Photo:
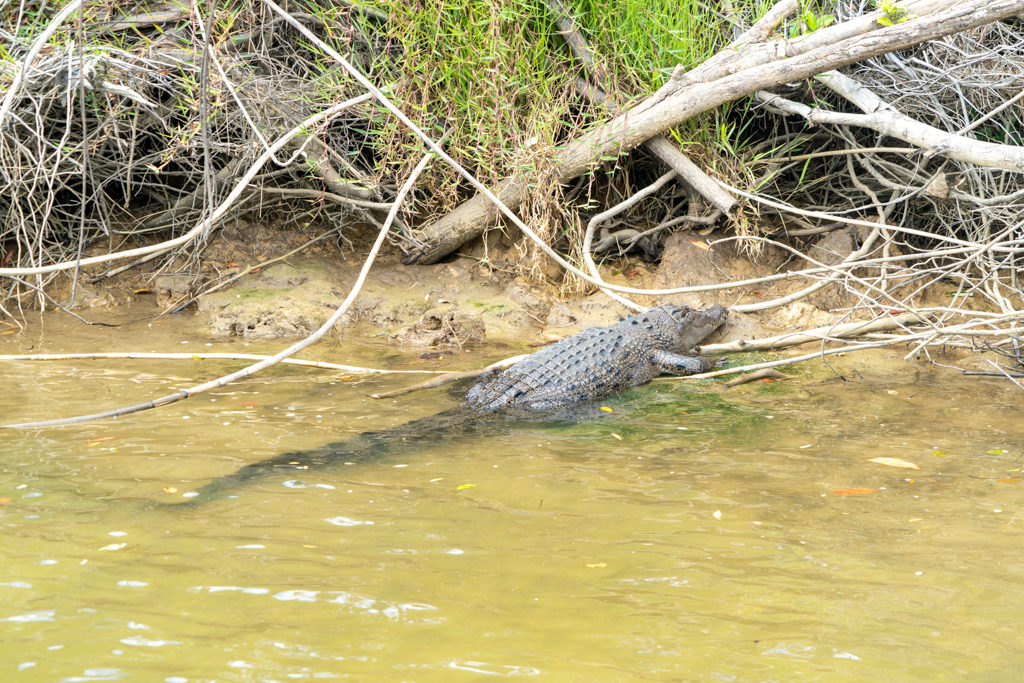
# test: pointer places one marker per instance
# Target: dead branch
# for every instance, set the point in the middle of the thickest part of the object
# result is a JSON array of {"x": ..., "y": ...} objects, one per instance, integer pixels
[
  {"x": 588, "y": 237},
  {"x": 141, "y": 355},
  {"x": 763, "y": 373},
  {"x": 843, "y": 331},
  {"x": 883, "y": 118},
  {"x": 787, "y": 361},
  {"x": 450, "y": 377},
  {"x": 206, "y": 224}
]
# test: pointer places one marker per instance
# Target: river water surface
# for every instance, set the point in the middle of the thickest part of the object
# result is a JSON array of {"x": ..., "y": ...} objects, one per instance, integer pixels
[{"x": 688, "y": 534}]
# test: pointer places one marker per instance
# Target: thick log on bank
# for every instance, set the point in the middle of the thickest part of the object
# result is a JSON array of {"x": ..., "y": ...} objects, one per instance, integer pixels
[{"x": 723, "y": 78}]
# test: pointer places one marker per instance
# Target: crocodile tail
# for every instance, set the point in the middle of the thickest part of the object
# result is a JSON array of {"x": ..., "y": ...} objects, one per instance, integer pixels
[{"x": 361, "y": 448}]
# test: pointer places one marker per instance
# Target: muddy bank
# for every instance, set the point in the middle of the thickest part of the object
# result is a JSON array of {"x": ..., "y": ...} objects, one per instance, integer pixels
[
  {"x": 471, "y": 299},
  {"x": 238, "y": 289}
]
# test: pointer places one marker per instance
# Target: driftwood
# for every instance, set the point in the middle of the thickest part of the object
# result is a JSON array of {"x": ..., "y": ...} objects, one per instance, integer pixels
[
  {"x": 450, "y": 377},
  {"x": 843, "y": 331},
  {"x": 763, "y": 373},
  {"x": 724, "y": 78},
  {"x": 146, "y": 355}
]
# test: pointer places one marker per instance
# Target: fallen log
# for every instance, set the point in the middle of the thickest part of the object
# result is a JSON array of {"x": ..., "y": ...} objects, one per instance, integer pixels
[
  {"x": 763, "y": 373},
  {"x": 719, "y": 81}
]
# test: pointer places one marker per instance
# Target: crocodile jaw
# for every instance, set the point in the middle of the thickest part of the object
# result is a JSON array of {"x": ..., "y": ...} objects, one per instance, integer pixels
[{"x": 692, "y": 326}]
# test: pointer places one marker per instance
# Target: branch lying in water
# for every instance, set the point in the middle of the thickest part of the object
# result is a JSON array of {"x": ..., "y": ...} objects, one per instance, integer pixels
[
  {"x": 794, "y": 359},
  {"x": 452, "y": 377},
  {"x": 934, "y": 335},
  {"x": 845, "y": 330},
  {"x": 135, "y": 355},
  {"x": 763, "y": 373}
]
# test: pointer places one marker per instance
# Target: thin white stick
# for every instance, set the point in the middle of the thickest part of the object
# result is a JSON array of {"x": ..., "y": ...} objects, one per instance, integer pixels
[
  {"x": 788, "y": 361},
  {"x": 144, "y": 355}
]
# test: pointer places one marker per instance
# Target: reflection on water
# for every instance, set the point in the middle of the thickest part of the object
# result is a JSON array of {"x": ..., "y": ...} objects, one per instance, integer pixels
[{"x": 690, "y": 534}]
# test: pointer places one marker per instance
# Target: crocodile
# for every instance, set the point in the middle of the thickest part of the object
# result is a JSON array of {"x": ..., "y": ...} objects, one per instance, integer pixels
[{"x": 579, "y": 369}]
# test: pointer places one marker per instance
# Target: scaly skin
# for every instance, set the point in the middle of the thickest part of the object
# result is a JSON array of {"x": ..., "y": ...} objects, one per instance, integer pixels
[
  {"x": 585, "y": 367},
  {"x": 601, "y": 361}
]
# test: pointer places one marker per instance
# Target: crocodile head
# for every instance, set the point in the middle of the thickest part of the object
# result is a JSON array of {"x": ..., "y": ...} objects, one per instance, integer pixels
[{"x": 681, "y": 328}]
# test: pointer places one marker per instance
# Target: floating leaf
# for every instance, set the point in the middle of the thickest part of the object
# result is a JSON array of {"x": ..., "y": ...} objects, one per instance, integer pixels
[
  {"x": 853, "y": 492},
  {"x": 596, "y": 565},
  {"x": 606, "y": 409},
  {"x": 464, "y": 486},
  {"x": 5, "y": 500},
  {"x": 617, "y": 436},
  {"x": 997, "y": 451},
  {"x": 1009, "y": 480},
  {"x": 100, "y": 440},
  {"x": 941, "y": 453},
  {"x": 170, "y": 489},
  {"x": 895, "y": 462},
  {"x": 114, "y": 546}
]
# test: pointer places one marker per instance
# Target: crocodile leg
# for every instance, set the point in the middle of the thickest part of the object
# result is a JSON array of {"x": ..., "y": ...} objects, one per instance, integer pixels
[{"x": 676, "y": 364}]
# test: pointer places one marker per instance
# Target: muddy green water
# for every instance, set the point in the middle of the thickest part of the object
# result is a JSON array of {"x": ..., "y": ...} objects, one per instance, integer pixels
[{"x": 690, "y": 534}]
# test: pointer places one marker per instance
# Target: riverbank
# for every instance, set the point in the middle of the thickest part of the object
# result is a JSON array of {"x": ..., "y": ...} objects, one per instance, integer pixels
[{"x": 242, "y": 286}]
